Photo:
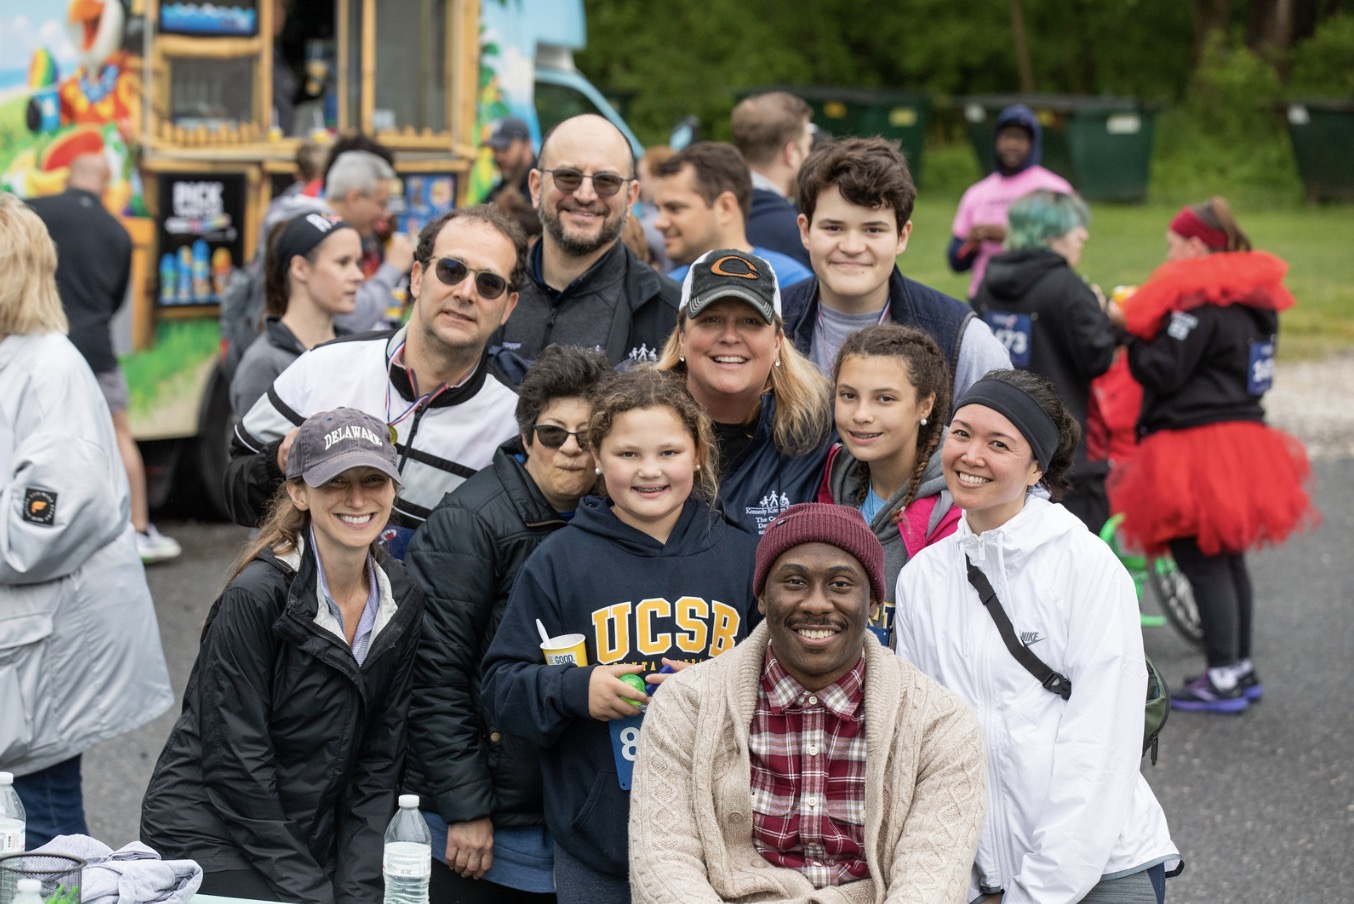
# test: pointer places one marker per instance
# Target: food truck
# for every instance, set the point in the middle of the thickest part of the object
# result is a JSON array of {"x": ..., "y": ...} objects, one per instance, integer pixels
[{"x": 183, "y": 100}]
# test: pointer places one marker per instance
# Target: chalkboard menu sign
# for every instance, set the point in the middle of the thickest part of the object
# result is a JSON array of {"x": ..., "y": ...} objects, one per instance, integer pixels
[
  {"x": 201, "y": 235},
  {"x": 214, "y": 19}
]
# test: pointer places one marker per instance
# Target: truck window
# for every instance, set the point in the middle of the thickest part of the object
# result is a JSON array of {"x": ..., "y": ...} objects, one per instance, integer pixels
[
  {"x": 411, "y": 77},
  {"x": 556, "y": 103}
]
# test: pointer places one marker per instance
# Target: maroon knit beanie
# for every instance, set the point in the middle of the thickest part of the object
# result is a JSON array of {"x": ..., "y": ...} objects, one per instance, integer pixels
[{"x": 817, "y": 522}]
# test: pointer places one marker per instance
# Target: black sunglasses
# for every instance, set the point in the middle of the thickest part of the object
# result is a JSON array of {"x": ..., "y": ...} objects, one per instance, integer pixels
[
  {"x": 451, "y": 271},
  {"x": 553, "y": 437},
  {"x": 568, "y": 180}
]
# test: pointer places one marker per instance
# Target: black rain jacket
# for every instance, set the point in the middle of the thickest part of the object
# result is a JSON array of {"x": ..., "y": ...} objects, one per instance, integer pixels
[{"x": 287, "y": 756}]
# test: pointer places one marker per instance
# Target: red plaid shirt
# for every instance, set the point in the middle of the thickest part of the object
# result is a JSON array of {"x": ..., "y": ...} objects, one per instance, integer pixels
[{"x": 808, "y": 775}]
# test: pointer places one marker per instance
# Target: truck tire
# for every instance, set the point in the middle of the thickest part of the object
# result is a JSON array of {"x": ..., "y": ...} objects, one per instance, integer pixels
[{"x": 210, "y": 451}]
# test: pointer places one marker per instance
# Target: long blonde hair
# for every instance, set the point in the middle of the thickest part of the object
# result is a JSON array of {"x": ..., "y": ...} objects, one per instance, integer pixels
[
  {"x": 803, "y": 396},
  {"x": 29, "y": 301}
]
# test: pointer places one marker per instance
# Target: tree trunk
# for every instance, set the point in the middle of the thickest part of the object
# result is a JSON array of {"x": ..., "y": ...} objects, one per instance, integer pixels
[
  {"x": 1022, "y": 48},
  {"x": 1209, "y": 16}
]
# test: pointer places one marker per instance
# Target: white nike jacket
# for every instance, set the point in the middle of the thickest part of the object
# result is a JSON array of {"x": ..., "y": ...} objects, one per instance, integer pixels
[{"x": 1067, "y": 805}]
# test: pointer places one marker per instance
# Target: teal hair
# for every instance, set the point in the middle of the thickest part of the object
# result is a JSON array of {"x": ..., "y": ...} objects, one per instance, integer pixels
[{"x": 1043, "y": 215}]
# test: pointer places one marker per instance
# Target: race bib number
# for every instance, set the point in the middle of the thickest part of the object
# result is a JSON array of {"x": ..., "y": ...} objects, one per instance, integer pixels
[
  {"x": 1260, "y": 373},
  {"x": 1013, "y": 330},
  {"x": 625, "y": 745}
]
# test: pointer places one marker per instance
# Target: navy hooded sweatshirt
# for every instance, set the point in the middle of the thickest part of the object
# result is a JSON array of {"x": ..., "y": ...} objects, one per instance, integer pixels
[{"x": 636, "y": 601}]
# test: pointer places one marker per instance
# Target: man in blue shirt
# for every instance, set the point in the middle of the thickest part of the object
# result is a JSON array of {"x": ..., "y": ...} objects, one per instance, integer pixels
[{"x": 704, "y": 195}]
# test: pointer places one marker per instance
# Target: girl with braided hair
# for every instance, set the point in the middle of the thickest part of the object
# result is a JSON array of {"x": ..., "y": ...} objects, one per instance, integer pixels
[{"x": 892, "y": 392}]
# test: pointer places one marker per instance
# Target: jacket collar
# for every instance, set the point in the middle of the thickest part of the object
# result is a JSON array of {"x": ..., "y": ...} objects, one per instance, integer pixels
[
  {"x": 522, "y": 491},
  {"x": 642, "y": 282},
  {"x": 399, "y": 376}
]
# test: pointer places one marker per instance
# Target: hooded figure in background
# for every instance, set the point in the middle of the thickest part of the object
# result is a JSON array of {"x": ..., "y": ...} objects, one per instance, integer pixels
[{"x": 980, "y": 222}]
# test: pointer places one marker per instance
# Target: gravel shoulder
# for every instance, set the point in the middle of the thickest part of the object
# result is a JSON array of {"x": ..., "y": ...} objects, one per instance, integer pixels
[{"x": 1314, "y": 401}]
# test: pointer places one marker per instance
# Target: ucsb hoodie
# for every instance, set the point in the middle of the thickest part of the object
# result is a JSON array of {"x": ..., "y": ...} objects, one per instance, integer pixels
[{"x": 635, "y": 600}]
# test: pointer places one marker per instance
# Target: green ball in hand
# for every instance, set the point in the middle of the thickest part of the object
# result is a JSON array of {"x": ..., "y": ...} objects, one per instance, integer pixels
[{"x": 637, "y": 683}]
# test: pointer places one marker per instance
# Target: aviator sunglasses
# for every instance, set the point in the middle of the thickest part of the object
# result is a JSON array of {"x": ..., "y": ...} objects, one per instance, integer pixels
[
  {"x": 568, "y": 180},
  {"x": 451, "y": 271},
  {"x": 553, "y": 437}
]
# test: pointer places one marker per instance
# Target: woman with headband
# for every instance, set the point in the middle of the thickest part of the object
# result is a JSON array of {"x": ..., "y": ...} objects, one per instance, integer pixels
[
  {"x": 1209, "y": 480},
  {"x": 1069, "y": 816},
  {"x": 311, "y": 274}
]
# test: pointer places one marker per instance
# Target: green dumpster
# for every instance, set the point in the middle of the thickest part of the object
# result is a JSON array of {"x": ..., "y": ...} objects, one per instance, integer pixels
[
  {"x": 899, "y": 115},
  {"x": 1102, "y": 145},
  {"x": 1322, "y": 132}
]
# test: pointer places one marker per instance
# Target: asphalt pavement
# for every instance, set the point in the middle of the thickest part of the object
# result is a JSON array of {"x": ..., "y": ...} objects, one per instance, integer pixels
[{"x": 1261, "y": 805}]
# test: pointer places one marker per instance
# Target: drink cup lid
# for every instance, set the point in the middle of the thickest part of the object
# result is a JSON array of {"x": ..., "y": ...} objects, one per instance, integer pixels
[
  {"x": 6, "y": 778},
  {"x": 409, "y": 801}
]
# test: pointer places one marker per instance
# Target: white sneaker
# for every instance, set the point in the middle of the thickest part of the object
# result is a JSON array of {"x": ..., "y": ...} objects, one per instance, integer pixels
[{"x": 155, "y": 546}]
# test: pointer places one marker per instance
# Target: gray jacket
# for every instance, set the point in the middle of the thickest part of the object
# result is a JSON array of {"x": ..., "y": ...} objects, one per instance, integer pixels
[{"x": 80, "y": 656}]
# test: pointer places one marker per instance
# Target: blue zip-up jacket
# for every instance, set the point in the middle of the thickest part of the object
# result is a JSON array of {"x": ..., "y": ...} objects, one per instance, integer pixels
[
  {"x": 636, "y": 601},
  {"x": 763, "y": 481}
]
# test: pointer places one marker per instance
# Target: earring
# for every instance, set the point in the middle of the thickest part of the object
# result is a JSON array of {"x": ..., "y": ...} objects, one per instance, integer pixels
[
  {"x": 698, "y": 467},
  {"x": 923, "y": 422},
  {"x": 778, "y": 362},
  {"x": 681, "y": 359},
  {"x": 597, "y": 471}
]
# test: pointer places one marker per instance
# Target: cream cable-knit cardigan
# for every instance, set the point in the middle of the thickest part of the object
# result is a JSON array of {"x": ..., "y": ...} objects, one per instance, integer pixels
[{"x": 691, "y": 812}]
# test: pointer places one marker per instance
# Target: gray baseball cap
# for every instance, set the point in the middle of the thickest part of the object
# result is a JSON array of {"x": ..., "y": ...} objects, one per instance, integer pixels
[
  {"x": 729, "y": 273},
  {"x": 331, "y": 442},
  {"x": 506, "y": 131}
]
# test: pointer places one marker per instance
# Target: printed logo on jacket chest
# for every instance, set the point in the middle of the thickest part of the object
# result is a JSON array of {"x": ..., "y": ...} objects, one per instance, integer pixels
[
  {"x": 657, "y": 627},
  {"x": 765, "y": 511}
]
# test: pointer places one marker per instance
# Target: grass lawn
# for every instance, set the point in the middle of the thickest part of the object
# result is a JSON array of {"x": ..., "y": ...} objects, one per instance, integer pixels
[{"x": 1128, "y": 242}]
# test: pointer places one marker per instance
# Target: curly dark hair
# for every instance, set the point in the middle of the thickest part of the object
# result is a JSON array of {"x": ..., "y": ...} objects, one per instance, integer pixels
[
  {"x": 648, "y": 387},
  {"x": 868, "y": 172},
  {"x": 559, "y": 372},
  {"x": 927, "y": 371},
  {"x": 490, "y": 215},
  {"x": 1057, "y": 477}
]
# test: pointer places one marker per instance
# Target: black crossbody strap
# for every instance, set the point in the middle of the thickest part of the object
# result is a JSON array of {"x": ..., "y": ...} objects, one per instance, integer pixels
[{"x": 1054, "y": 682}]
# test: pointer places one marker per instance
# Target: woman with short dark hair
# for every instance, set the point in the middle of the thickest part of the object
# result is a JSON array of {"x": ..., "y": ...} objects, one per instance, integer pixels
[{"x": 480, "y": 788}]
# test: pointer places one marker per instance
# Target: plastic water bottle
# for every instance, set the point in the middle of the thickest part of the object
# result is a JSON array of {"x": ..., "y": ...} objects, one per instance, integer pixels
[
  {"x": 29, "y": 892},
  {"x": 13, "y": 820},
  {"x": 408, "y": 858}
]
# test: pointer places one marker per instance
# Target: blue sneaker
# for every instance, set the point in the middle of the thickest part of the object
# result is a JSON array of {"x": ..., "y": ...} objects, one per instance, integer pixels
[
  {"x": 1201, "y": 695},
  {"x": 1250, "y": 685}
]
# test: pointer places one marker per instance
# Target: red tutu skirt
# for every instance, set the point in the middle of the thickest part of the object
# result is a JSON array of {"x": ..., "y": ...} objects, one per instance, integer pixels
[{"x": 1233, "y": 486}]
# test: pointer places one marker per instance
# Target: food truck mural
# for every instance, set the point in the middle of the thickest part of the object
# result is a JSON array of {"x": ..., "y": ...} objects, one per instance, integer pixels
[{"x": 179, "y": 96}]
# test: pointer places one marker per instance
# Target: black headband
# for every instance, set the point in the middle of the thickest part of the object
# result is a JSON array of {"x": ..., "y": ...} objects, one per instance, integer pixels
[
  {"x": 302, "y": 234},
  {"x": 1020, "y": 409}
]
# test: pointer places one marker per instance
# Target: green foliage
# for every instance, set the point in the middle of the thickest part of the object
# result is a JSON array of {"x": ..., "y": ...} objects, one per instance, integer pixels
[
  {"x": 1128, "y": 243},
  {"x": 1323, "y": 65},
  {"x": 1226, "y": 136}
]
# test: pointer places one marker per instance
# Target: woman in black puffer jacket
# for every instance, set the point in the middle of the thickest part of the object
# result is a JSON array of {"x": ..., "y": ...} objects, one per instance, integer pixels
[{"x": 480, "y": 789}]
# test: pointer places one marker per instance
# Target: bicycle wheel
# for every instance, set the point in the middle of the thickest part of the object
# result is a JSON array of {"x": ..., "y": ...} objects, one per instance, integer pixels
[{"x": 1176, "y": 599}]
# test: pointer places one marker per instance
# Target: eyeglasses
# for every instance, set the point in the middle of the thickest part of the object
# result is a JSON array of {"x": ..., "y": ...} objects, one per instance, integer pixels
[
  {"x": 569, "y": 180},
  {"x": 553, "y": 437},
  {"x": 451, "y": 271}
]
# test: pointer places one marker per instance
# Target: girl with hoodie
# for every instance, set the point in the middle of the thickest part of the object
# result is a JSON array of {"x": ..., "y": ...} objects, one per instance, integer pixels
[
  {"x": 892, "y": 389},
  {"x": 651, "y": 576},
  {"x": 1209, "y": 480}
]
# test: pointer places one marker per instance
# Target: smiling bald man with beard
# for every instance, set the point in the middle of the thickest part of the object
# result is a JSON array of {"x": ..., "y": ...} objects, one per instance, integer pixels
[{"x": 584, "y": 286}]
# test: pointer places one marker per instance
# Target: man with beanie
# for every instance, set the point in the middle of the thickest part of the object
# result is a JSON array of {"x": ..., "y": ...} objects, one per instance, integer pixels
[
  {"x": 980, "y": 223},
  {"x": 809, "y": 756}
]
